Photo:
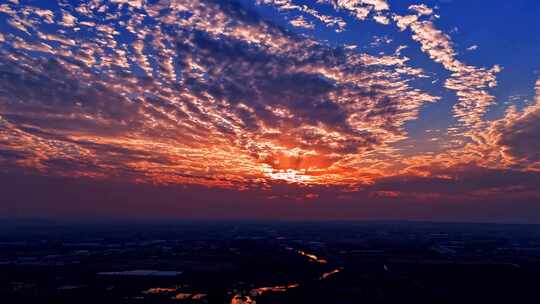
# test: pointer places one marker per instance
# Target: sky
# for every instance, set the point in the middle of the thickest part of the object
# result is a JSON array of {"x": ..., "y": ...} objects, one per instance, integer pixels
[{"x": 271, "y": 109}]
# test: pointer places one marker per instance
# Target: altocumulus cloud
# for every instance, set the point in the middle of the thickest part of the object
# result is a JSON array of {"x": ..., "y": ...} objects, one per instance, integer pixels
[
  {"x": 196, "y": 83},
  {"x": 205, "y": 93}
]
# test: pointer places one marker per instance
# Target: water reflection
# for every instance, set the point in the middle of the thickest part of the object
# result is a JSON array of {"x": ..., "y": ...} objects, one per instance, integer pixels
[
  {"x": 239, "y": 299},
  {"x": 312, "y": 257},
  {"x": 330, "y": 273}
]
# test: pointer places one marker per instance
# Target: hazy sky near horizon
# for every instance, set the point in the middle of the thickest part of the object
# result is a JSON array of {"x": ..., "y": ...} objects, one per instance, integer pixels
[{"x": 297, "y": 109}]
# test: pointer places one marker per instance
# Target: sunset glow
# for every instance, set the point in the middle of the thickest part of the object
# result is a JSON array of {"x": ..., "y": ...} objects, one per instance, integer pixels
[{"x": 292, "y": 100}]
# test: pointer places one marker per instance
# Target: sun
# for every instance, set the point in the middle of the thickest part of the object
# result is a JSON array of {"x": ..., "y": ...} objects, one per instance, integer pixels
[{"x": 288, "y": 175}]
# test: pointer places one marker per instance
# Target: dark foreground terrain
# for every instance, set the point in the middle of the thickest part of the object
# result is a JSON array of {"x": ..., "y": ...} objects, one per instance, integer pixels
[{"x": 265, "y": 262}]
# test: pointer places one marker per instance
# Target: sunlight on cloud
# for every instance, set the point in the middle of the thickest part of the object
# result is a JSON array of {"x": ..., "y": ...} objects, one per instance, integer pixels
[{"x": 211, "y": 93}]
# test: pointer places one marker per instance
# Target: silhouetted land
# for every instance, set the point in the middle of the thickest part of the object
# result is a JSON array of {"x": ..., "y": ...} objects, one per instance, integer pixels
[{"x": 267, "y": 262}]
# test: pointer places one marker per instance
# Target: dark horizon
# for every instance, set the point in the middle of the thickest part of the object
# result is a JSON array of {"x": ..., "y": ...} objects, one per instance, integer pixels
[{"x": 268, "y": 262}]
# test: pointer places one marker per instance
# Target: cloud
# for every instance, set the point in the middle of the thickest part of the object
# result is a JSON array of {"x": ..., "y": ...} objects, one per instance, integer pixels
[
  {"x": 470, "y": 83},
  {"x": 287, "y": 5},
  {"x": 519, "y": 134},
  {"x": 301, "y": 22},
  {"x": 381, "y": 19},
  {"x": 461, "y": 181},
  {"x": 206, "y": 93},
  {"x": 521, "y": 137},
  {"x": 421, "y": 9},
  {"x": 360, "y": 9},
  {"x": 53, "y": 196}
]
